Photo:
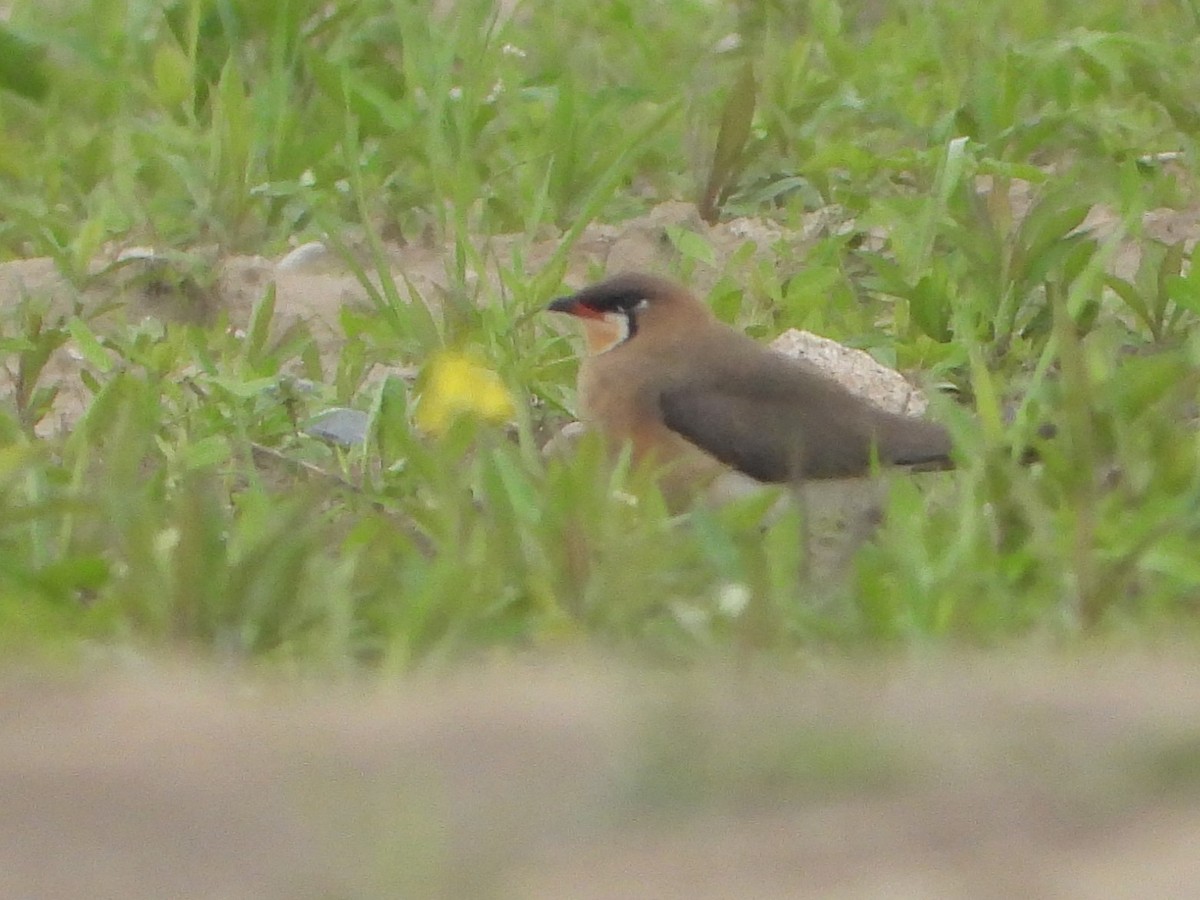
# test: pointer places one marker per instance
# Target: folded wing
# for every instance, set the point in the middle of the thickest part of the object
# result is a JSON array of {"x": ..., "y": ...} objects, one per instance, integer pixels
[{"x": 785, "y": 422}]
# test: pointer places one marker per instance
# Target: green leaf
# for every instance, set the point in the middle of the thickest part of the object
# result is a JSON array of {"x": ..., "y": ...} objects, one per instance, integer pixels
[
  {"x": 210, "y": 451},
  {"x": 1184, "y": 290},
  {"x": 260, "y": 324},
  {"x": 1170, "y": 268},
  {"x": 951, "y": 168},
  {"x": 526, "y": 501},
  {"x": 89, "y": 345},
  {"x": 244, "y": 388},
  {"x": 1131, "y": 298},
  {"x": 173, "y": 76},
  {"x": 23, "y": 65},
  {"x": 930, "y": 306},
  {"x": 1043, "y": 237},
  {"x": 691, "y": 245},
  {"x": 736, "y": 122},
  {"x": 80, "y": 573}
]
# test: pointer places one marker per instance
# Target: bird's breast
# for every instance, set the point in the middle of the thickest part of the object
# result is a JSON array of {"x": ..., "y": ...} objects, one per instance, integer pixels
[
  {"x": 619, "y": 397},
  {"x": 612, "y": 394}
]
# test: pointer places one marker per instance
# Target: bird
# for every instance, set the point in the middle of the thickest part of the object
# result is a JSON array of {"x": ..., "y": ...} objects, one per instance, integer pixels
[{"x": 663, "y": 375}]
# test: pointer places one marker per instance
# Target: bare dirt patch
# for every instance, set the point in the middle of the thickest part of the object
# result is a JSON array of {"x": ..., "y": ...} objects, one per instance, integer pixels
[{"x": 973, "y": 776}]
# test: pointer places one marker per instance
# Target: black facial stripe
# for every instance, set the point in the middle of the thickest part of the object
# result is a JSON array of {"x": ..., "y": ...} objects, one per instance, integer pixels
[
  {"x": 631, "y": 318},
  {"x": 624, "y": 292},
  {"x": 612, "y": 301}
]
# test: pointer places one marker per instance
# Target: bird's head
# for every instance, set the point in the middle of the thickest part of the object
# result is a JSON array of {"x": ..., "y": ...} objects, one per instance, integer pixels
[{"x": 617, "y": 309}]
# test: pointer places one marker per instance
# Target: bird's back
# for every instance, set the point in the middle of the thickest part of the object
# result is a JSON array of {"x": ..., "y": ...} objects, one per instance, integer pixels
[{"x": 780, "y": 419}]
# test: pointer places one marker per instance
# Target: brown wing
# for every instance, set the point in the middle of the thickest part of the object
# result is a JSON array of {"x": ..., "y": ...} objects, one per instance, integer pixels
[
  {"x": 781, "y": 421},
  {"x": 722, "y": 424}
]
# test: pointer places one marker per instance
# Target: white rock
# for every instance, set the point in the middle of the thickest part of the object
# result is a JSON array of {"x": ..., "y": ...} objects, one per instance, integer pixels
[
  {"x": 855, "y": 369},
  {"x": 313, "y": 255}
]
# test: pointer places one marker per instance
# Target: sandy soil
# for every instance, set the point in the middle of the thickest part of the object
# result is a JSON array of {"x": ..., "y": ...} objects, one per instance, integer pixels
[{"x": 972, "y": 777}]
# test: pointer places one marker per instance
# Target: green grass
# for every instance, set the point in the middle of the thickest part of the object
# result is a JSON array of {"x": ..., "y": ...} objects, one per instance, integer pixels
[{"x": 185, "y": 508}]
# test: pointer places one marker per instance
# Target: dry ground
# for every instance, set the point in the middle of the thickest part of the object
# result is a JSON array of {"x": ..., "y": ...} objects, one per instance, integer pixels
[{"x": 972, "y": 776}]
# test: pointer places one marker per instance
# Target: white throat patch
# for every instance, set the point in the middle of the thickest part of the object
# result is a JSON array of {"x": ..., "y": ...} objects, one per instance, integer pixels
[
  {"x": 606, "y": 333},
  {"x": 612, "y": 329}
]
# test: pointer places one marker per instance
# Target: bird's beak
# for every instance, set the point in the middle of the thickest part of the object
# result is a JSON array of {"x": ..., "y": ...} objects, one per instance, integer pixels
[{"x": 573, "y": 307}]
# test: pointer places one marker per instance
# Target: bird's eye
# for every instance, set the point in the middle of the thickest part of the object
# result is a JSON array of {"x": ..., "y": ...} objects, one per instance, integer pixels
[{"x": 641, "y": 304}]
